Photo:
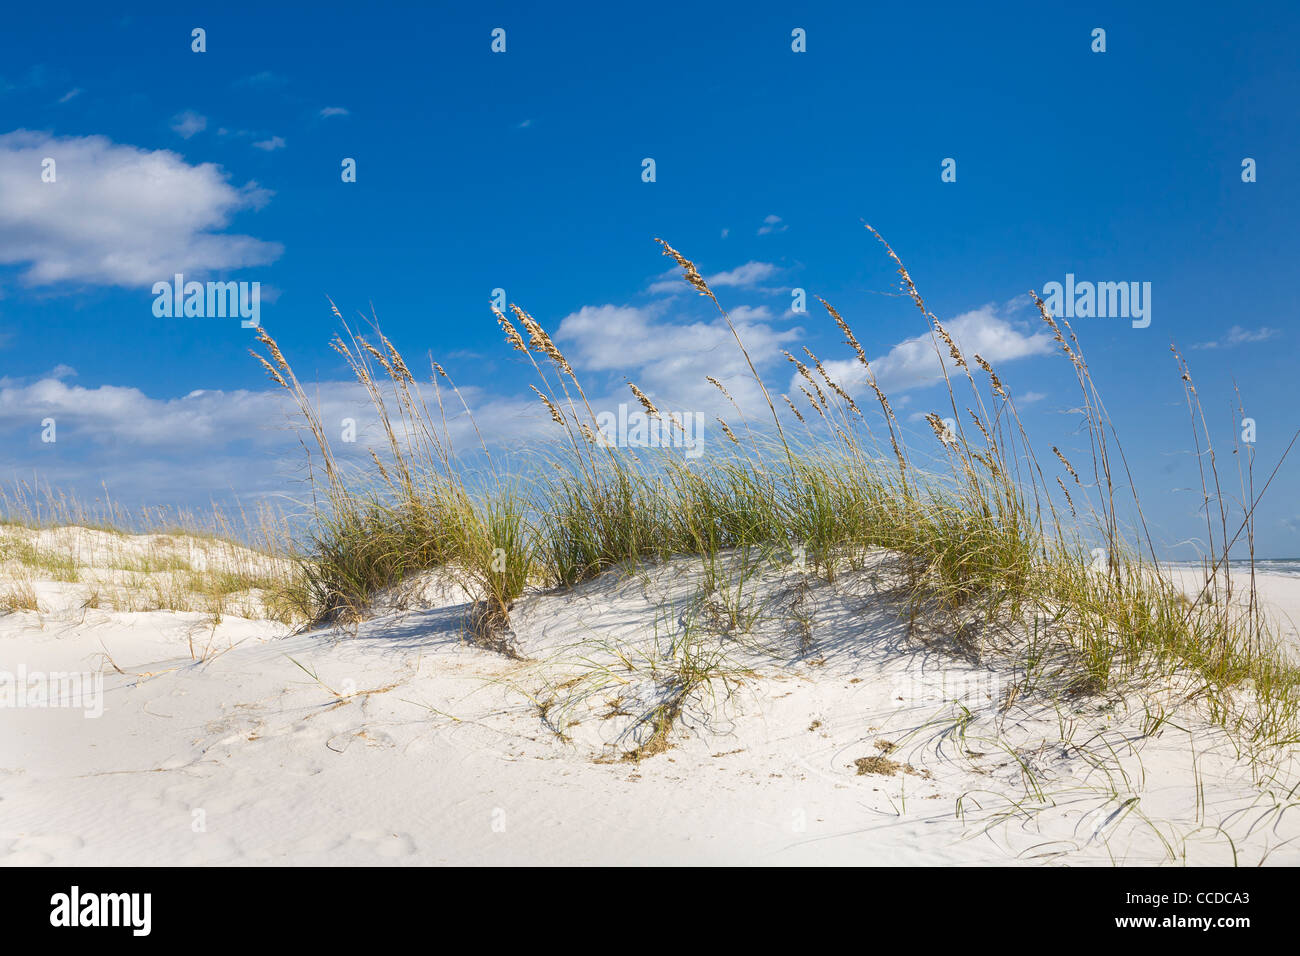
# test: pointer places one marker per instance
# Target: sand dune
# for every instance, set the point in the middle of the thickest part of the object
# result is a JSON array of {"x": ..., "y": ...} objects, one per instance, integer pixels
[{"x": 782, "y": 721}]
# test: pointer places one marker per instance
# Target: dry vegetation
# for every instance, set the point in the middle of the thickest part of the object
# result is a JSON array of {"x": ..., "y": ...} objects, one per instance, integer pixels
[
  {"x": 993, "y": 546},
  {"x": 104, "y": 557},
  {"x": 992, "y": 540}
]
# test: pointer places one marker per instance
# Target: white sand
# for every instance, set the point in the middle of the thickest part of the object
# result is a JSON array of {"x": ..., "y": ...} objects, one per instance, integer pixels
[
  {"x": 413, "y": 747},
  {"x": 1278, "y": 593}
]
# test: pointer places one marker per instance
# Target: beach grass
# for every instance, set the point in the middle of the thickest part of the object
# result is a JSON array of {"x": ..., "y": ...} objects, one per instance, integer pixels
[
  {"x": 149, "y": 560},
  {"x": 987, "y": 534}
]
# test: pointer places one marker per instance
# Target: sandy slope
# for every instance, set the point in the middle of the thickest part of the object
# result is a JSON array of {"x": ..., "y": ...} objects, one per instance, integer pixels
[{"x": 410, "y": 746}]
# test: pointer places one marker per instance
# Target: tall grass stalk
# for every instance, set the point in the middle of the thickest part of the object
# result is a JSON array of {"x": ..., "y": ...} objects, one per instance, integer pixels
[{"x": 991, "y": 535}]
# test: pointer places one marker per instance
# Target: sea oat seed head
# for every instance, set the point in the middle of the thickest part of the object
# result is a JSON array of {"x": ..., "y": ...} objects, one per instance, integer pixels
[{"x": 641, "y": 397}]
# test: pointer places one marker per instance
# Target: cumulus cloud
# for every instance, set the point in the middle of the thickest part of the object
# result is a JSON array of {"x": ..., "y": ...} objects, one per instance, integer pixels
[
  {"x": 742, "y": 277},
  {"x": 207, "y": 443},
  {"x": 118, "y": 414},
  {"x": 913, "y": 364},
  {"x": 742, "y": 314},
  {"x": 188, "y": 124},
  {"x": 210, "y": 442},
  {"x": 212, "y": 419},
  {"x": 270, "y": 145},
  {"x": 671, "y": 359},
  {"x": 772, "y": 224},
  {"x": 194, "y": 442},
  {"x": 117, "y": 214}
]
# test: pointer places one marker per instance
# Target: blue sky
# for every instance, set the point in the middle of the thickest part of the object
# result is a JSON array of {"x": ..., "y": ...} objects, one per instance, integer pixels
[{"x": 523, "y": 170}]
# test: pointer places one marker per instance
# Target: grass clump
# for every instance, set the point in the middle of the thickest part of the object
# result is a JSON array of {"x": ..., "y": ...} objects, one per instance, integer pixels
[{"x": 987, "y": 535}]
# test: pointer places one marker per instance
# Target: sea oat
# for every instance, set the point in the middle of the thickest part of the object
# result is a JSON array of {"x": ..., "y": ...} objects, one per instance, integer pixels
[
  {"x": 271, "y": 347},
  {"x": 812, "y": 401},
  {"x": 1056, "y": 329},
  {"x": 849, "y": 338},
  {"x": 641, "y": 397},
  {"x": 881, "y": 397},
  {"x": 556, "y": 416},
  {"x": 270, "y": 369},
  {"x": 690, "y": 273},
  {"x": 1068, "y": 499},
  {"x": 380, "y": 465},
  {"x": 378, "y": 356},
  {"x": 539, "y": 340},
  {"x": 980, "y": 425},
  {"x": 832, "y": 383},
  {"x": 793, "y": 409},
  {"x": 513, "y": 337},
  {"x": 1068, "y": 467},
  {"x": 803, "y": 371},
  {"x": 993, "y": 376},
  {"x": 908, "y": 284},
  {"x": 398, "y": 365},
  {"x": 940, "y": 430},
  {"x": 952, "y": 346}
]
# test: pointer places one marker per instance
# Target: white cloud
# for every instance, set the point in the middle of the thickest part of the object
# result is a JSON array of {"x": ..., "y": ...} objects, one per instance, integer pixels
[
  {"x": 1239, "y": 336},
  {"x": 119, "y": 215},
  {"x": 743, "y": 314},
  {"x": 213, "y": 442},
  {"x": 772, "y": 224},
  {"x": 70, "y": 95},
  {"x": 668, "y": 283},
  {"x": 208, "y": 442},
  {"x": 188, "y": 124},
  {"x": 671, "y": 359},
  {"x": 270, "y": 145},
  {"x": 111, "y": 413},
  {"x": 913, "y": 362},
  {"x": 741, "y": 277},
  {"x": 329, "y": 111}
]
